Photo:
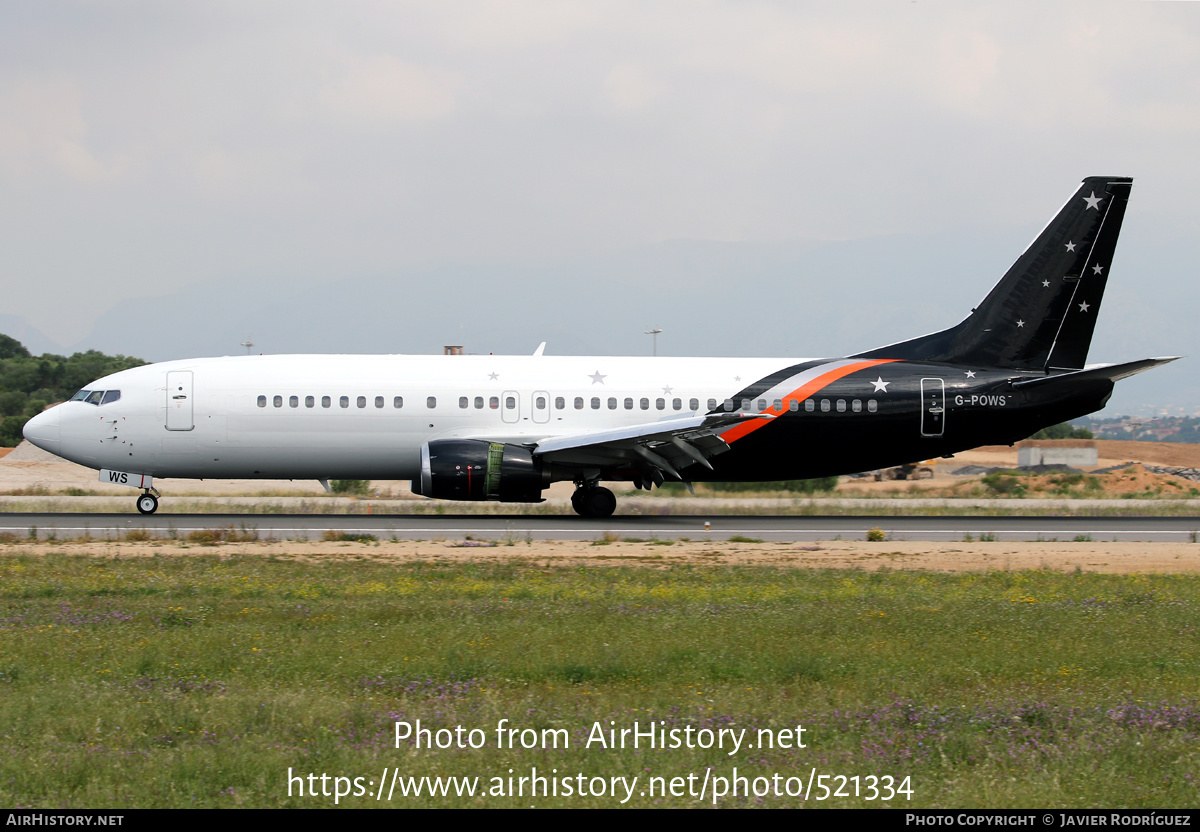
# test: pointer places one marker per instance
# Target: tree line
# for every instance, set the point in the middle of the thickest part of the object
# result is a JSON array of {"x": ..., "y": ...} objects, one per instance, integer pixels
[{"x": 29, "y": 383}]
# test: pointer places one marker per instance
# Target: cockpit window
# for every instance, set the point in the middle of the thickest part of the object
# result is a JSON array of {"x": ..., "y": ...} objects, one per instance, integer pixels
[{"x": 97, "y": 397}]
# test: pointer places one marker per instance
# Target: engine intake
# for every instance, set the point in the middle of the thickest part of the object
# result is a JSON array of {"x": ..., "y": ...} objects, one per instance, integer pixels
[{"x": 473, "y": 469}]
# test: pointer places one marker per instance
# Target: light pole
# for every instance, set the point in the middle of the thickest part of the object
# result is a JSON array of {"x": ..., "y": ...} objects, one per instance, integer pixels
[{"x": 653, "y": 332}]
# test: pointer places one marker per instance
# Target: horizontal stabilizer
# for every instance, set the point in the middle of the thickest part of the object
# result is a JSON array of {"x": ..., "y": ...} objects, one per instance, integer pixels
[{"x": 1111, "y": 372}]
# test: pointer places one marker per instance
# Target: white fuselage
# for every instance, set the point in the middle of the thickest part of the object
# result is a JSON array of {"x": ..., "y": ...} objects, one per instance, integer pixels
[{"x": 366, "y": 417}]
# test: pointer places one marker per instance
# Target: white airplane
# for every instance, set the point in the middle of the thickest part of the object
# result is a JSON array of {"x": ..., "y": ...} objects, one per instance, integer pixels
[{"x": 506, "y": 427}]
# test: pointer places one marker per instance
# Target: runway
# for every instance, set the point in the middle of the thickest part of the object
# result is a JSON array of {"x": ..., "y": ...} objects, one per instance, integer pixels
[{"x": 533, "y": 527}]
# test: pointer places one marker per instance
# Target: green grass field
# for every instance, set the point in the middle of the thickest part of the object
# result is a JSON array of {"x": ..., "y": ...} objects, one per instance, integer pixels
[{"x": 200, "y": 681}]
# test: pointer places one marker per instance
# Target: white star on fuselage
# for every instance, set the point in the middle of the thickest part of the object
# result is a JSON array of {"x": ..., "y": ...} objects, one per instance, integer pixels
[
  {"x": 1020, "y": 324},
  {"x": 1046, "y": 283},
  {"x": 1070, "y": 245},
  {"x": 1093, "y": 201},
  {"x": 970, "y": 374},
  {"x": 880, "y": 385},
  {"x": 1096, "y": 269},
  {"x": 667, "y": 390},
  {"x": 493, "y": 376},
  {"x": 1083, "y": 307},
  {"x": 597, "y": 378}
]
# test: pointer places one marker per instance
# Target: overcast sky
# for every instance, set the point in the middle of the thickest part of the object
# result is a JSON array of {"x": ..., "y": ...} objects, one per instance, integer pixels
[{"x": 148, "y": 147}]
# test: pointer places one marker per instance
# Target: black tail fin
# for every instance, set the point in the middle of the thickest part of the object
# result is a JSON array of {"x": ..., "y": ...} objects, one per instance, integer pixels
[{"x": 1041, "y": 314}]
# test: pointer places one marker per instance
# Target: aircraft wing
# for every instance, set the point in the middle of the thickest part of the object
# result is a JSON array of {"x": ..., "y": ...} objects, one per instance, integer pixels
[{"x": 667, "y": 446}]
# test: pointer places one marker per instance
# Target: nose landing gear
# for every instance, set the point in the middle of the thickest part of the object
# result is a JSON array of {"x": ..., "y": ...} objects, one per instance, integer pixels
[
  {"x": 147, "y": 503},
  {"x": 593, "y": 501}
]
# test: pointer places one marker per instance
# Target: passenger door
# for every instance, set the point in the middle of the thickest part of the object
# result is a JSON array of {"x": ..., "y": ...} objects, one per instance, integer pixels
[
  {"x": 933, "y": 407},
  {"x": 179, "y": 400}
]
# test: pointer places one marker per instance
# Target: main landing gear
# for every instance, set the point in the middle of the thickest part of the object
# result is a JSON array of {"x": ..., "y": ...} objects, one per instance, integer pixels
[
  {"x": 593, "y": 501},
  {"x": 147, "y": 503}
]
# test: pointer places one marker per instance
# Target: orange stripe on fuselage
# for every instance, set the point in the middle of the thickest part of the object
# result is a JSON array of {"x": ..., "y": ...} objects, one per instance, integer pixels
[{"x": 800, "y": 394}]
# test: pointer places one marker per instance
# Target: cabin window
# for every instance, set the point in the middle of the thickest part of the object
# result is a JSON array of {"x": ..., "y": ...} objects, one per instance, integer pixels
[
  {"x": 794, "y": 405},
  {"x": 612, "y": 403},
  {"x": 595, "y": 402},
  {"x": 398, "y": 402},
  {"x": 344, "y": 401},
  {"x": 362, "y": 401},
  {"x": 277, "y": 401},
  {"x": 326, "y": 401},
  {"x": 809, "y": 406},
  {"x": 841, "y": 405},
  {"x": 762, "y": 405},
  {"x": 660, "y": 404},
  {"x": 510, "y": 402},
  {"x": 579, "y": 403},
  {"x": 872, "y": 405},
  {"x": 479, "y": 402},
  {"x": 677, "y": 404},
  {"x": 494, "y": 402},
  {"x": 379, "y": 401},
  {"x": 309, "y": 401},
  {"x": 856, "y": 405},
  {"x": 746, "y": 404},
  {"x": 463, "y": 402},
  {"x": 560, "y": 403},
  {"x": 779, "y": 405},
  {"x": 262, "y": 401},
  {"x": 431, "y": 402},
  {"x": 539, "y": 402},
  {"x": 645, "y": 404},
  {"x": 824, "y": 405},
  {"x": 694, "y": 404},
  {"x": 729, "y": 405},
  {"x": 293, "y": 401},
  {"x": 111, "y": 396},
  {"x": 628, "y": 404},
  {"x": 712, "y": 405}
]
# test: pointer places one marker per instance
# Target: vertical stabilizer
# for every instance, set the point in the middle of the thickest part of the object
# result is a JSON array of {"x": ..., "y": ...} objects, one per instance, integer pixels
[{"x": 1042, "y": 313}]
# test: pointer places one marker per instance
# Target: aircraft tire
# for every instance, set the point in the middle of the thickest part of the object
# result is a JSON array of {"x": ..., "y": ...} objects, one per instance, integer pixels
[
  {"x": 147, "y": 504},
  {"x": 596, "y": 503}
]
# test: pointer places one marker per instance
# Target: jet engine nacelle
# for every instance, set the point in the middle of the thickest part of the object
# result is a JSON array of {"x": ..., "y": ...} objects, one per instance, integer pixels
[{"x": 473, "y": 469}]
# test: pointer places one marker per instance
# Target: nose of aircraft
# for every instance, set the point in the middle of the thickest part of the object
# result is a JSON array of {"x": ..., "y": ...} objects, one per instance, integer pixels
[{"x": 43, "y": 430}]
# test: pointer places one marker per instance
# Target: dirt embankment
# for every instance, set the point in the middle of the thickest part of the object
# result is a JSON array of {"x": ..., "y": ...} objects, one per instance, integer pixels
[{"x": 975, "y": 556}]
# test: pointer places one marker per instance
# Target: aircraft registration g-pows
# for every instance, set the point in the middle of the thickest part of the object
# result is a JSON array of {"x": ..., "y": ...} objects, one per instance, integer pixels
[{"x": 505, "y": 428}]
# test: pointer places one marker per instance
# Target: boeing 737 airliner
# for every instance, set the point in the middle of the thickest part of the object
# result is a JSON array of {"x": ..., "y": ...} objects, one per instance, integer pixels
[{"x": 504, "y": 428}]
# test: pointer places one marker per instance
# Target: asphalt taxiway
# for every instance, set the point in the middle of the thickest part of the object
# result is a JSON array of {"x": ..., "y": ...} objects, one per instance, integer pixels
[{"x": 562, "y": 527}]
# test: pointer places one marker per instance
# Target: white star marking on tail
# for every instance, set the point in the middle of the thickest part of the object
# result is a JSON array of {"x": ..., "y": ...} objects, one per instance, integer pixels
[
  {"x": 1070, "y": 245},
  {"x": 1096, "y": 269},
  {"x": 1083, "y": 307},
  {"x": 1046, "y": 283},
  {"x": 1020, "y": 324},
  {"x": 1093, "y": 201}
]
